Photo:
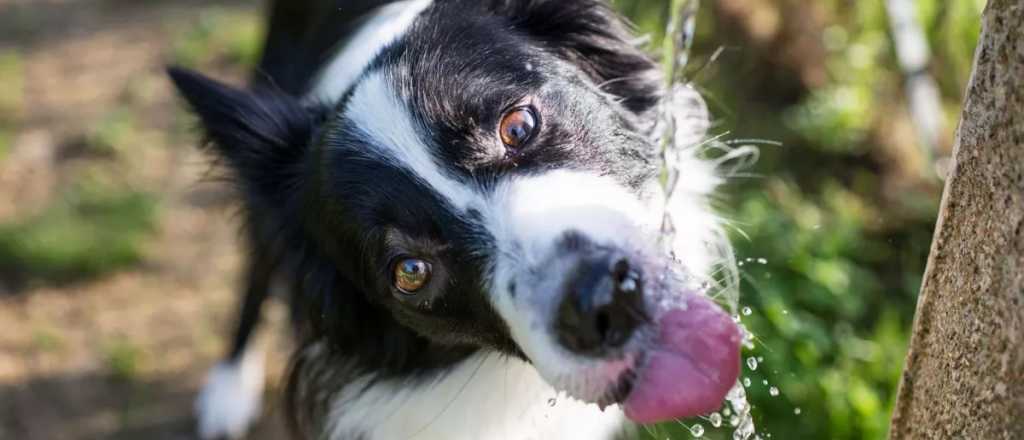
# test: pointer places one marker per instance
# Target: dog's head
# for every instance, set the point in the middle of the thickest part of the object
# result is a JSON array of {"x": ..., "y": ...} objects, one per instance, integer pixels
[{"x": 490, "y": 180}]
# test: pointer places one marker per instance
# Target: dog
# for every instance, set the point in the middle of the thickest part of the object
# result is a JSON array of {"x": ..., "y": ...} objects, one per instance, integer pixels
[{"x": 462, "y": 199}]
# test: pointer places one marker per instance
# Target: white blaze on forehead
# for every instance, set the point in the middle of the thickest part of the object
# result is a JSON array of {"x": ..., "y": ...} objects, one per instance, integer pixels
[
  {"x": 391, "y": 134},
  {"x": 535, "y": 211},
  {"x": 385, "y": 26}
]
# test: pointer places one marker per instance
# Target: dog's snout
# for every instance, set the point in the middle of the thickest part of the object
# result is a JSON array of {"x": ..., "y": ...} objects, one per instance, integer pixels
[{"x": 602, "y": 304}]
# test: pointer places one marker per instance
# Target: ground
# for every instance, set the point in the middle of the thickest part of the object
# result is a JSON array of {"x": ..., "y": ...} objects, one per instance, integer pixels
[{"x": 84, "y": 103}]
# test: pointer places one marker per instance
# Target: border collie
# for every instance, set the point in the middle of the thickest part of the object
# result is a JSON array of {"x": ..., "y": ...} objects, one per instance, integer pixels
[{"x": 462, "y": 198}]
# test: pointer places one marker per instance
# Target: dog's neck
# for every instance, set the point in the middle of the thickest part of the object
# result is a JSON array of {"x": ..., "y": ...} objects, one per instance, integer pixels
[{"x": 486, "y": 396}]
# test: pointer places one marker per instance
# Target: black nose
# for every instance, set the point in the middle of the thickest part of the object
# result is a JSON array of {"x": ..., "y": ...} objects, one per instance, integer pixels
[{"x": 602, "y": 306}]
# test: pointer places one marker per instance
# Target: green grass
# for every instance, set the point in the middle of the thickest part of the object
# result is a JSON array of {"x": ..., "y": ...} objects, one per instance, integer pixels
[
  {"x": 123, "y": 360},
  {"x": 115, "y": 130},
  {"x": 12, "y": 86},
  {"x": 48, "y": 340},
  {"x": 88, "y": 232},
  {"x": 220, "y": 35},
  {"x": 5, "y": 142}
]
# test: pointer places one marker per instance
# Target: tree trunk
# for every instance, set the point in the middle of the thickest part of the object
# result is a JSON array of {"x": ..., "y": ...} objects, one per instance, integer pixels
[{"x": 964, "y": 376}]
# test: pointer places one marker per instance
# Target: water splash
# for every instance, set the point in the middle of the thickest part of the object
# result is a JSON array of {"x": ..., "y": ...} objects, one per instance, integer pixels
[
  {"x": 742, "y": 420},
  {"x": 674, "y": 132}
]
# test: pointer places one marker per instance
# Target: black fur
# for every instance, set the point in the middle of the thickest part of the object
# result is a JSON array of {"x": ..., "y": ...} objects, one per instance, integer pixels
[{"x": 330, "y": 220}]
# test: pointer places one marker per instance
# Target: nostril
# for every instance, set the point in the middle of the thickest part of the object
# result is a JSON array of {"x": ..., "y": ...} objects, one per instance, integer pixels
[
  {"x": 603, "y": 305},
  {"x": 603, "y": 324},
  {"x": 621, "y": 269}
]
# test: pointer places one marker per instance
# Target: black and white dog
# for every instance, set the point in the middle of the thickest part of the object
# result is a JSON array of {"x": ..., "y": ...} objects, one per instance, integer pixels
[{"x": 463, "y": 199}]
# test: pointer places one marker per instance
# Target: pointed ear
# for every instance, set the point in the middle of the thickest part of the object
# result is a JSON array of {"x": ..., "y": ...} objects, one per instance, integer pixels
[
  {"x": 262, "y": 135},
  {"x": 591, "y": 35}
]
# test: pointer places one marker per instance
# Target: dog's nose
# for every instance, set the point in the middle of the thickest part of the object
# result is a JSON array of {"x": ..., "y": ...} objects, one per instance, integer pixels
[{"x": 602, "y": 305}]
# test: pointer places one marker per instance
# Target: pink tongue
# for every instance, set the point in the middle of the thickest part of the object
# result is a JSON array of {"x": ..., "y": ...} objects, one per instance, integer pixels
[{"x": 695, "y": 365}]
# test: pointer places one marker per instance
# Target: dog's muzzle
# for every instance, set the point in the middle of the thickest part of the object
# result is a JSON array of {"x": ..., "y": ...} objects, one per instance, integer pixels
[{"x": 618, "y": 304}]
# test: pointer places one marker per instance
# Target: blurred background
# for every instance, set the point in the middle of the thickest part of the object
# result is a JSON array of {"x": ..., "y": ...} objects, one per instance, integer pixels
[{"x": 118, "y": 255}]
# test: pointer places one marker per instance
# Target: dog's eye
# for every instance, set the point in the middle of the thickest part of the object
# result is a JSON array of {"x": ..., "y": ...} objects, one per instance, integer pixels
[
  {"x": 411, "y": 274},
  {"x": 517, "y": 126}
]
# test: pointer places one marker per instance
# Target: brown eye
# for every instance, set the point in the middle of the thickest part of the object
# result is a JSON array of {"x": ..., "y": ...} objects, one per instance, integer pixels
[
  {"x": 411, "y": 274},
  {"x": 517, "y": 127}
]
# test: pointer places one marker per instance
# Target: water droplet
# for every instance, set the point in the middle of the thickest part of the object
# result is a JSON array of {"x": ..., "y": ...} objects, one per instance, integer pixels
[
  {"x": 746, "y": 382},
  {"x": 752, "y": 363},
  {"x": 726, "y": 412},
  {"x": 746, "y": 311},
  {"x": 773, "y": 391},
  {"x": 628, "y": 285},
  {"x": 744, "y": 430},
  {"x": 796, "y": 410},
  {"x": 785, "y": 312},
  {"x": 762, "y": 261},
  {"x": 760, "y": 359},
  {"x": 552, "y": 401},
  {"x": 734, "y": 421},
  {"x": 697, "y": 430},
  {"x": 739, "y": 263},
  {"x": 764, "y": 382},
  {"x": 715, "y": 419}
]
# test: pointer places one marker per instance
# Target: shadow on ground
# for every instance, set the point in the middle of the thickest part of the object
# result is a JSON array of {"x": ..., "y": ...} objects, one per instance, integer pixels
[{"x": 104, "y": 407}]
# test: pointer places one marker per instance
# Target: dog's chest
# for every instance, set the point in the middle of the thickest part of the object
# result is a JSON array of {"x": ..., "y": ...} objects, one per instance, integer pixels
[{"x": 485, "y": 397}]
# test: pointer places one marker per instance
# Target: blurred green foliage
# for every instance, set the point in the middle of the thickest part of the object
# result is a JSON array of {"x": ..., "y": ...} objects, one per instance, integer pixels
[
  {"x": 835, "y": 231},
  {"x": 90, "y": 230},
  {"x": 114, "y": 130},
  {"x": 123, "y": 360},
  {"x": 95, "y": 226},
  {"x": 220, "y": 36},
  {"x": 12, "y": 85}
]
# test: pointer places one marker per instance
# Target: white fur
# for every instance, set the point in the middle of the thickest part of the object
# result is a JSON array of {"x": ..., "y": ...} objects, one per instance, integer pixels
[
  {"x": 700, "y": 243},
  {"x": 230, "y": 399},
  {"x": 487, "y": 396},
  {"x": 537, "y": 210},
  {"x": 386, "y": 25},
  {"x": 377, "y": 110}
]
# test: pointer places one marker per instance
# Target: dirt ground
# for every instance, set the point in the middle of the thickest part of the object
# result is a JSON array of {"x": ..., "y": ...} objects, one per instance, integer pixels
[{"x": 120, "y": 356}]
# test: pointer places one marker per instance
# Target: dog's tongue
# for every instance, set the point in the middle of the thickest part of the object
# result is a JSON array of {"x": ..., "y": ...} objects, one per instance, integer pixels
[{"x": 696, "y": 363}]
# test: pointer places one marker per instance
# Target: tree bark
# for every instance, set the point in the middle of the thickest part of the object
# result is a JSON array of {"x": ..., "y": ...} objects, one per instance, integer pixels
[{"x": 964, "y": 376}]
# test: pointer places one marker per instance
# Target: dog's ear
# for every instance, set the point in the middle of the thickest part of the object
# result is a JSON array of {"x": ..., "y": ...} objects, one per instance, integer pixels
[
  {"x": 591, "y": 35},
  {"x": 262, "y": 135}
]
